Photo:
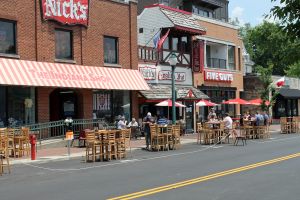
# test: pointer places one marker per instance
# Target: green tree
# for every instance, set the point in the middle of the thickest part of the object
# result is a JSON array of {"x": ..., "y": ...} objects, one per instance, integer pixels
[
  {"x": 265, "y": 75},
  {"x": 268, "y": 44},
  {"x": 294, "y": 70},
  {"x": 289, "y": 15}
]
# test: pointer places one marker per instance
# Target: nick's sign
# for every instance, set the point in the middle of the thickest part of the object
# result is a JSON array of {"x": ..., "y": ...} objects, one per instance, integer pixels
[{"x": 66, "y": 11}]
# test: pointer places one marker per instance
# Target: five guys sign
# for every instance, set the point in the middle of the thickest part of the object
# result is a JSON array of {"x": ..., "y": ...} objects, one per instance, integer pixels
[{"x": 69, "y": 12}]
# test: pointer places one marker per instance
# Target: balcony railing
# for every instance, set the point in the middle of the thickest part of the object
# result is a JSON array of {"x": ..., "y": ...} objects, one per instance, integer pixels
[
  {"x": 216, "y": 63},
  {"x": 148, "y": 54}
]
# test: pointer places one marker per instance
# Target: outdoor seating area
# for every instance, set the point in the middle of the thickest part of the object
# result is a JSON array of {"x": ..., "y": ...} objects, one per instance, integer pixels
[
  {"x": 215, "y": 132},
  {"x": 13, "y": 143},
  {"x": 164, "y": 137},
  {"x": 289, "y": 125},
  {"x": 106, "y": 145}
]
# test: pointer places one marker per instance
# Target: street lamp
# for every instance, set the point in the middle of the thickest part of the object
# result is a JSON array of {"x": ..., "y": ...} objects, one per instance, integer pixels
[{"x": 173, "y": 61}]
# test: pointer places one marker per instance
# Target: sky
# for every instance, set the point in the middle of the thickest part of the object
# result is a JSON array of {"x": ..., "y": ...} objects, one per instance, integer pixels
[{"x": 251, "y": 11}]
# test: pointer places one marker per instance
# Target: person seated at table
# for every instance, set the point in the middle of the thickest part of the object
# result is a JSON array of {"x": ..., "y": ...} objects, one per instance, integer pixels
[
  {"x": 266, "y": 118},
  {"x": 259, "y": 119},
  {"x": 213, "y": 118},
  {"x": 133, "y": 123},
  {"x": 247, "y": 115},
  {"x": 162, "y": 121},
  {"x": 211, "y": 113},
  {"x": 122, "y": 123}
]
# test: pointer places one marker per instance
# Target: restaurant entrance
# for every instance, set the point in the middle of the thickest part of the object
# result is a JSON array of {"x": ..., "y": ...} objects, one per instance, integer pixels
[{"x": 63, "y": 104}]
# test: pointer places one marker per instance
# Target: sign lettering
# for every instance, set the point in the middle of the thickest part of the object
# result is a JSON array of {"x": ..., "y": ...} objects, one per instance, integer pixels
[
  {"x": 149, "y": 73},
  {"x": 66, "y": 11},
  {"x": 167, "y": 75},
  {"x": 218, "y": 76}
]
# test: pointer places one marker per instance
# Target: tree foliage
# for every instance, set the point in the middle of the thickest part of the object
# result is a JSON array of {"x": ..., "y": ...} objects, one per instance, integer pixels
[
  {"x": 265, "y": 75},
  {"x": 294, "y": 70},
  {"x": 289, "y": 15},
  {"x": 268, "y": 44}
]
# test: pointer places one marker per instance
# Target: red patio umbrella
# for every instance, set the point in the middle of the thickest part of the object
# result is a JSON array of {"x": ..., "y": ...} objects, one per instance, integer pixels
[
  {"x": 168, "y": 103},
  {"x": 258, "y": 102},
  {"x": 205, "y": 103},
  {"x": 236, "y": 101}
]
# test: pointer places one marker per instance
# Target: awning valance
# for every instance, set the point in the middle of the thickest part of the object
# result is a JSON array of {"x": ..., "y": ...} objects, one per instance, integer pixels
[
  {"x": 44, "y": 74},
  {"x": 290, "y": 93}
]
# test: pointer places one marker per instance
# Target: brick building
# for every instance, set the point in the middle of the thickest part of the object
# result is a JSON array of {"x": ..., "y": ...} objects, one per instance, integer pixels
[
  {"x": 215, "y": 55},
  {"x": 97, "y": 37}
]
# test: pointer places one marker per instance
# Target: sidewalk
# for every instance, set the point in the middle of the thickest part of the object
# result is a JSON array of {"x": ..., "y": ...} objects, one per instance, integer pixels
[{"x": 56, "y": 149}]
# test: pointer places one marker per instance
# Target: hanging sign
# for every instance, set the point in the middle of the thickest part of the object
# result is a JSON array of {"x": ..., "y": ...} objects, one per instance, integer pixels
[{"x": 69, "y": 12}]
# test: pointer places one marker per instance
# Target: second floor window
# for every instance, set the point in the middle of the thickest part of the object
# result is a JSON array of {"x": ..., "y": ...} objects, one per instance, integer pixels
[
  {"x": 8, "y": 37},
  {"x": 231, "y": 57},
  {"x": 63, "y": 45},
  {"x": 110, "y": 50}
]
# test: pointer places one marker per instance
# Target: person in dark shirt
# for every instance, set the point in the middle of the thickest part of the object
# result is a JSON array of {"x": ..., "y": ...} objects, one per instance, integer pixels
[{"x": 147, "y": 121}]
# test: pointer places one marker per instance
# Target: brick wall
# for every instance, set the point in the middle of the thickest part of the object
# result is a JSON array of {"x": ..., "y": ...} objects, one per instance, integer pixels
[{"x": 106, "y": 18}]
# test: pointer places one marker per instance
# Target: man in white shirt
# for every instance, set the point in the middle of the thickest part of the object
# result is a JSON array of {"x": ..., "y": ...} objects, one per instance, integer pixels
[{"x": 228, "y": 121}]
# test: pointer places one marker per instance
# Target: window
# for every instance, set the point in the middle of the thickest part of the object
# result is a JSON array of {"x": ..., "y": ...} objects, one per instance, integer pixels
[
  {"x": 231, "y": 57},
  {"x": 165, "y": 2},
  {"x": 175, "y": 44},
  {"x": 8, "y": 37},
  {"x": 63, "y": 45},
  {"x": 110, "y": 50},
  {"x": 166, "y": 44},
  {"x": 184, "y": 44}
]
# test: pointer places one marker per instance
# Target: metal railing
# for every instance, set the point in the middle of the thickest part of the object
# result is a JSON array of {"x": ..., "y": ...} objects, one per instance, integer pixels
[{"x": 57, "y": 129}]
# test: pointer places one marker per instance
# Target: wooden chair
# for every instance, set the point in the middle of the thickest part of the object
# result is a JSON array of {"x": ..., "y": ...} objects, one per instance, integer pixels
[
  {"x": 295, "y": 125},
  {"x": 110, "y": 145},
  {"x": 176, "y": 136},
  {"x": 199, "y": 131},
  {"x": 240, "y": 135},
  {"x": 169, "y": 137},
  {"x": 220, "y": 133},
  {"x": 94, "y": 147},
  {"x": 25, "y": 142},
  {"x": 208, "y": 134},
  {"x": 285, "y": 126},
  {"x": 127, "y": 133},
  {"x": 157, "y": 139},
  {"x": 4, "y": 156},
  {"x": 12, "y": 146},
  {"x": 121, "y": 144}
]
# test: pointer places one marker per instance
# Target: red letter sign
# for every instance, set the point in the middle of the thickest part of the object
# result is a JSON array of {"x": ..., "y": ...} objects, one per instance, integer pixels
[{"x": 66, "y": 11}]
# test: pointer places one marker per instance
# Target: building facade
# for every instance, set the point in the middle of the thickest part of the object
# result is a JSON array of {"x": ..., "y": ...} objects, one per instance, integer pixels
[
  {"x": 67, "y": 36},
  {"x": 217, "y": 63}
]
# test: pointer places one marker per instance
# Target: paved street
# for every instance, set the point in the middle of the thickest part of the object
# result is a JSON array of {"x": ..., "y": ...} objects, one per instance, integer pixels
[{"x": 142, "y": 171}]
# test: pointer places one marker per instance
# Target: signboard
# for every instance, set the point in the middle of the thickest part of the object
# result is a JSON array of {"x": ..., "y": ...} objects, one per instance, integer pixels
[
  {"x": 69, "y": 12},
  {"x": 218, "y": 76},
  {"x": 167, "y": 75},
  {"x": 198, "y": 56},
  {"x": 161, "y": 74},
  {"x": 149, "y": 73},
  {"x": 69, "y": 135}
]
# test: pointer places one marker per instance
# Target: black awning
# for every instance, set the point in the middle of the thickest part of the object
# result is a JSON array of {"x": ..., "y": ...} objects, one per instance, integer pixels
[{"x": 290, "y": 93}]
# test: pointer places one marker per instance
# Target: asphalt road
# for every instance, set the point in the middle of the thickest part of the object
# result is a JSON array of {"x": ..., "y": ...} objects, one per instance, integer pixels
[{"x": 232, "y": 174}]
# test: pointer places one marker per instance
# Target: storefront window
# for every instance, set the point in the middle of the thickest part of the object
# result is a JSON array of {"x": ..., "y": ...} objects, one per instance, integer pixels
[
  {"x": 20, "y": 105},
  {"x": 63, "y": 44},
  {"x": 8, "y": 37},
  {"x": 110, "y": 104},
  {"x": 2, "y": 107},
  {"x": 110, "y": 50},
  {"x": 121, "y": 104}
]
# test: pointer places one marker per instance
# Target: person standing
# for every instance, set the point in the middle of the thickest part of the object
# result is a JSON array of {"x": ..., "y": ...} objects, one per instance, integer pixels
[{"x": 148, "y": 120}]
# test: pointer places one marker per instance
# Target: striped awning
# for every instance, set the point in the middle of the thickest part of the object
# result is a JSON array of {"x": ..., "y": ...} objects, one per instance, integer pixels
[{"x": 44, "y": 74}]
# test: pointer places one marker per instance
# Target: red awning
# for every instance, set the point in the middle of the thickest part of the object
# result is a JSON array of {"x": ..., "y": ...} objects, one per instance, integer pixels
[{"x": 44, "y": 74}]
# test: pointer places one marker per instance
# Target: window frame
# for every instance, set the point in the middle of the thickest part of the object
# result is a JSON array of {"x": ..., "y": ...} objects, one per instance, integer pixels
[
  {"x": 71, "y": 43},
  {"x": 116, "y": 48},
  {"x": 15, "y": 37}
]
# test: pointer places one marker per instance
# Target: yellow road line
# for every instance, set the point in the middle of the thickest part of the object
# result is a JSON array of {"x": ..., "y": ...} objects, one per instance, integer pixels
[{"x": 203, "y": 178}]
